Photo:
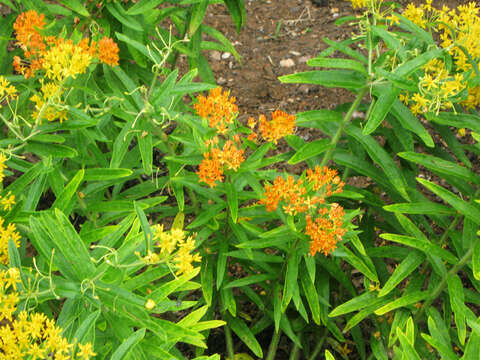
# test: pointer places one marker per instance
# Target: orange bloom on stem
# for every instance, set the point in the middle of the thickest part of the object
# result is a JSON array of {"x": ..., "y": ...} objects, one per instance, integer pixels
[
  {"x": 325, "y": 231},
  {"x": 27, "y": 26},
  {"x": 218, "y": 108},
  {"x": 282, "y": 124},
  {"x": 108, "y": 51},
  {"x": 216, "y": 160},
  {"x": 324, "y": 222}
]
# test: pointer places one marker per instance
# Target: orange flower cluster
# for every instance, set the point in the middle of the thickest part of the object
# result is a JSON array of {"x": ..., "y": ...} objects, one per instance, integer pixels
[
  {"x": 218, "y": 108},
  {"x": 28, "y": 28},
  {"x": 325, "y": 230},
  {"x": 324, "y": 221},
  {"x": 217, "y": 160},
  {"x": 282, "y": 124}
]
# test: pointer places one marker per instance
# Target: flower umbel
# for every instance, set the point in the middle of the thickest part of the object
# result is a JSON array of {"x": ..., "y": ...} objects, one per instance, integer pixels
[
  {"x": 324, "y": 221},
  {"x": 218, "y": 108}
]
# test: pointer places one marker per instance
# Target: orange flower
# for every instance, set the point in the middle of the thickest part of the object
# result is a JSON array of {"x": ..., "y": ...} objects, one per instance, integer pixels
[
  {"x": 108, "y": 51},
  {"x": 325, "y": 231},
  {"x": 293, "y": 193},
  {"x": 218, "y": 108},
  {"x": 321, "y": 177},
  {"x": 324, "y": 222},
  {"x": 282, "y": 124},
  {"x": 27, "y": 27},
  {"x": 215, "y": 161},
  {"x": 210, "y": 169}
]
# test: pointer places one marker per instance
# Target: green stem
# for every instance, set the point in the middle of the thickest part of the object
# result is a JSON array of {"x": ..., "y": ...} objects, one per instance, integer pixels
[
  {"x": 344, "y": 122},
  {"x": 229, "y": 343},
  {"x": 443, "y": 282},
  {"x": 272, "y": 349},
  {"x": 294, "y": 355},
  {"x": 318, "y": 347}
]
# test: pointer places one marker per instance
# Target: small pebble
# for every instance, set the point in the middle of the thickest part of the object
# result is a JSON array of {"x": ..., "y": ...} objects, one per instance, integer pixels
[
  {"x": 304, "y": 59},
  {"x": 295, "y": 53},
  {"x": 215, "y": 55},
  {"x": 287, "y": 63},
  {"x": 226, "y": 55},
  {"x": 221, "y": 81}
]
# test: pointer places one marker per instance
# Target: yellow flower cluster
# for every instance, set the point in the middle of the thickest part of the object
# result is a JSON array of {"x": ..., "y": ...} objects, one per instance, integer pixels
[
  {"x": 358, "y": 3},
  {"x": 437, "y": 89},
  {"x": 48, "y": 103},
  {"x": 9, "y": 231},
  {"x": 175, "y": 248},
  {"x": 458, "y": 31},
  {"x": 30, "y": 335},
  {"x": 7, "y": 91}
]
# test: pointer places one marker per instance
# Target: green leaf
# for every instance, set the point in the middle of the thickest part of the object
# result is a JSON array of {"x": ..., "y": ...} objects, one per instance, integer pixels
[
  {"x": 87, "y": 326},
  {"x": 253, "y": 279},
  {"x": 390, "y": 40},
  {"x": 104, "y": 174},
  {"x": 357, "y": 303},
  {"x": 459, "y": 120},
  {"x": 443, "y": 349},
  {"x": 310, "y": 292},
  {"x": 466, "y": 209},
  {"x": 417, "y": 62},
  {"x": 54, "y": 150},
  {"x": 457, "y": 303},
  {"x": 441, "y": 166},
  {"x": 382, "y": 106},
  {"x": 128, "y": 344},
  {"x": 232, "y": 201},
  {"x": 139, "y": 46},
  {"x": 291, "y": 277},
  {"x": 424, "y": 208},
  {"x": 476, "y": 260},
  {"x": 197, "y": 15},
  {"x": 147, "y": 232},
  {"x": 337, "y": 63},
  {"x": 76, "y": 6},
  {"x": 403, "y": 301},
  {"x": 409, "y": 352},
  {"x": 382, "y": 158},
  {"x": 143, "y": 7},
  {"x": 410, "y": 122},
  {"x": 310, "y": 150},
  {"x": 423, "y": 245},
  {"x": 340, "y": 46},
  {"x": 405, "y": 268},
  {"x": 329, "y": 78},
  {"x": 409, "y": 25},
  {"x": 358, "y": 264},
  {"x": 237, "y": 11},
  {"x": 63, "y": 200},
  {"x": 118, "y": 13},
  {"x": 315, "y": 118},
  {"x": 206, "y": 216},
  {"x": 244, "y": 333},
  {"x": 22, "y": 182},
  {"x": 223, "y": 41},
  {"x": 146, "y": 151}
]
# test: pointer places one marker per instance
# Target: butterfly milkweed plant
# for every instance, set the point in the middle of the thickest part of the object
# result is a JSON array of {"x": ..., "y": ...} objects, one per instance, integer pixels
[{"x": 141, "y": 217}]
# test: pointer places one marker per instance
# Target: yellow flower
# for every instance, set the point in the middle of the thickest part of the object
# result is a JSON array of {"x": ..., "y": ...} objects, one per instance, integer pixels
[
  {"x": 65, "y": 59},
  {"x": 49, "y": 92},
  {"x": 150, "y": 304},
  {"x": 358, "y": 3},
  {"x": 7, "y": 201},
  {"x": 7, "y": 233},
  {"x": 85, "y": 351}
]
